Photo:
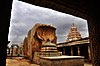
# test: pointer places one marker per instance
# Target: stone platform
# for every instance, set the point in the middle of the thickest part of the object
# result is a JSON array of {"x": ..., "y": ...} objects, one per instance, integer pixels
[
  {"x": 37, "y": 55},
  {"x": 62, "y": 61}
]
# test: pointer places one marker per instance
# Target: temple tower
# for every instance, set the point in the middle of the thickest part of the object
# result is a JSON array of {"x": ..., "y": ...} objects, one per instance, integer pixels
[{"x": 73, "y": 34}]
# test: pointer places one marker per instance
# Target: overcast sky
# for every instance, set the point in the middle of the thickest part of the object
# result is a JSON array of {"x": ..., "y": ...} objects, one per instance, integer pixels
[{"x": 24, "y": 16}]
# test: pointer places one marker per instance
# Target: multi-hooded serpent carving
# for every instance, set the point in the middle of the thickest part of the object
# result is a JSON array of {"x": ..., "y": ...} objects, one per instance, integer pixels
[{"x": 38, "y": 35}]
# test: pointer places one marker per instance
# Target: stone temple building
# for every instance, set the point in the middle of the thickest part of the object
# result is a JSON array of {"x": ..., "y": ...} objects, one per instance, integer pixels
[
  {"x": 75, "y": 45},
  {"x": 73, "y": 34}
]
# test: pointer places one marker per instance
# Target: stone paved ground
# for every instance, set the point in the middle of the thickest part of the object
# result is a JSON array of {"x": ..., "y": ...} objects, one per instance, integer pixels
[
  {"x": 25, "y": 62},
  {"x": 19, "y": 62}
]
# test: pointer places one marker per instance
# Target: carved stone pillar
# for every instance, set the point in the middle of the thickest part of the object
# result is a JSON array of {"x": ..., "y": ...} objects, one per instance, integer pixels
[
  {"x": 64, "y": 50},
  {"x": 78, "y": 51},
  {"x": 94, "y": 32},
  {"x": 12, "y": 51},
  {"x": 71, "y": 51},
  {"x": 89, "y": 54}
]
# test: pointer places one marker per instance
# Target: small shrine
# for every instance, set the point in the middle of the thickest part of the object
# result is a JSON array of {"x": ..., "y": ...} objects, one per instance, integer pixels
[{"x": 49, "y": 49}]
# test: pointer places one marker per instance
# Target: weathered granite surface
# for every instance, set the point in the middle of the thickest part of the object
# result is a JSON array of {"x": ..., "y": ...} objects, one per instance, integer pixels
[{"x": 36, "y": 58}]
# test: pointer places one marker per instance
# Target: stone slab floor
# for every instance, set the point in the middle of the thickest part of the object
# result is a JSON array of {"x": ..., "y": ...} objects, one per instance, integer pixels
[{"x": 25, "y": 62}]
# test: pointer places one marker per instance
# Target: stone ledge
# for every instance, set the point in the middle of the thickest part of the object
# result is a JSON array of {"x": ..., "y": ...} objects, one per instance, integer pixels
[
  {"x": 62, "y": 61},
  {"x": 63, "y": 57}
]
